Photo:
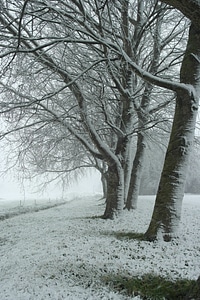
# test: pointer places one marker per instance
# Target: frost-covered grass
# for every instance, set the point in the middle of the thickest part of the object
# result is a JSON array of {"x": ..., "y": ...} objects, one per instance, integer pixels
[
  {"x": 65, "y": 252},
  {"x": 14, "y": 208}
]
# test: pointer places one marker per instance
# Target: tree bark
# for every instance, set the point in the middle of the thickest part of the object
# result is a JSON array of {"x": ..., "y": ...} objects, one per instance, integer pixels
[
  {"x": 115, "y": 192},
  {"x": 136, "y": 173},
  {"x": 167, "y": 210}
]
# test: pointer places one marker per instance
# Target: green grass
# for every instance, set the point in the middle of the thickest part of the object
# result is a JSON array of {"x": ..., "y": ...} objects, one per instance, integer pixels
[{"x": 155, "y": 287}]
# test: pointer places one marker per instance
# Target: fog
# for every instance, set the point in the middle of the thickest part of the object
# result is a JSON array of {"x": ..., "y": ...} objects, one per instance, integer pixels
[{"x": 12, "y": 189}]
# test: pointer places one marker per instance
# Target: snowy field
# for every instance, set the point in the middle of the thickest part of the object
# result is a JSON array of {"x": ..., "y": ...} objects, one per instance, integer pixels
[{"x": 63, "y": 253}]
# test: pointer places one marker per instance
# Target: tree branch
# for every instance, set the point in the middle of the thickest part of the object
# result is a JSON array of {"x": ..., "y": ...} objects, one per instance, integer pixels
[{"x": 190, "y": 8}]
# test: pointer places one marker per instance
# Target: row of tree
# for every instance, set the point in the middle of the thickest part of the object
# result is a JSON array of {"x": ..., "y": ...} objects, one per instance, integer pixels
[{"x": 89, "y": 83}]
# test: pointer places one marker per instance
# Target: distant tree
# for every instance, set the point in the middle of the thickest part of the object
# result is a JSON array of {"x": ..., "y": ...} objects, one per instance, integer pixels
[
  {"x": 155, "y": 153},
  {"x": 193, "y": 175}
]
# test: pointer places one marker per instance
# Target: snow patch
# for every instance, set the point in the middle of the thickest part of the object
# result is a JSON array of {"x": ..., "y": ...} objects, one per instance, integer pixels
[{"x": 65, "y": 252}]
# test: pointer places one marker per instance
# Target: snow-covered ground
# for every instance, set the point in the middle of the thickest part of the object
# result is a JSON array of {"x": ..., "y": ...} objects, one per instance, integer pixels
[{"x": 63, "y": 253}]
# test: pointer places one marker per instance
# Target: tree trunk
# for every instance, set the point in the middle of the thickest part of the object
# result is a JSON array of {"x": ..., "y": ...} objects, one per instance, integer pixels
[
  {"x": 115, "y": 192},
  {"x": 128, "y": 164},
  {"x": 143, "y": 118},
  {"x": 136, "y": 173},
  {"x": 167, "y": 210}
]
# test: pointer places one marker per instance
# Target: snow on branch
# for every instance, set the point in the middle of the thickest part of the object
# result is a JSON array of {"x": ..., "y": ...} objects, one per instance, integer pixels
[{"x": 158, "y": 81}]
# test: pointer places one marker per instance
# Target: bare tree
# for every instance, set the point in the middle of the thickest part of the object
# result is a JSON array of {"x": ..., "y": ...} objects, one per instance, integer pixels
[
  {"x": 59, "y": 57},
  {"x": 167, "y": 211},
  {"x": 68, "y": 43},
  {"x": 145, "y": 111}
]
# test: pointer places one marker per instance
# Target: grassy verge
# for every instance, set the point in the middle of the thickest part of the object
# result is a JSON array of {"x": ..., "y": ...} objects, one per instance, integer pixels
[{"x": 155, "y": 287}]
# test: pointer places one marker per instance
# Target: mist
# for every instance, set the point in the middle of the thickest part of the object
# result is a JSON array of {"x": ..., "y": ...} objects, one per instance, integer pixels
[{"x": 13, "y": 189}]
